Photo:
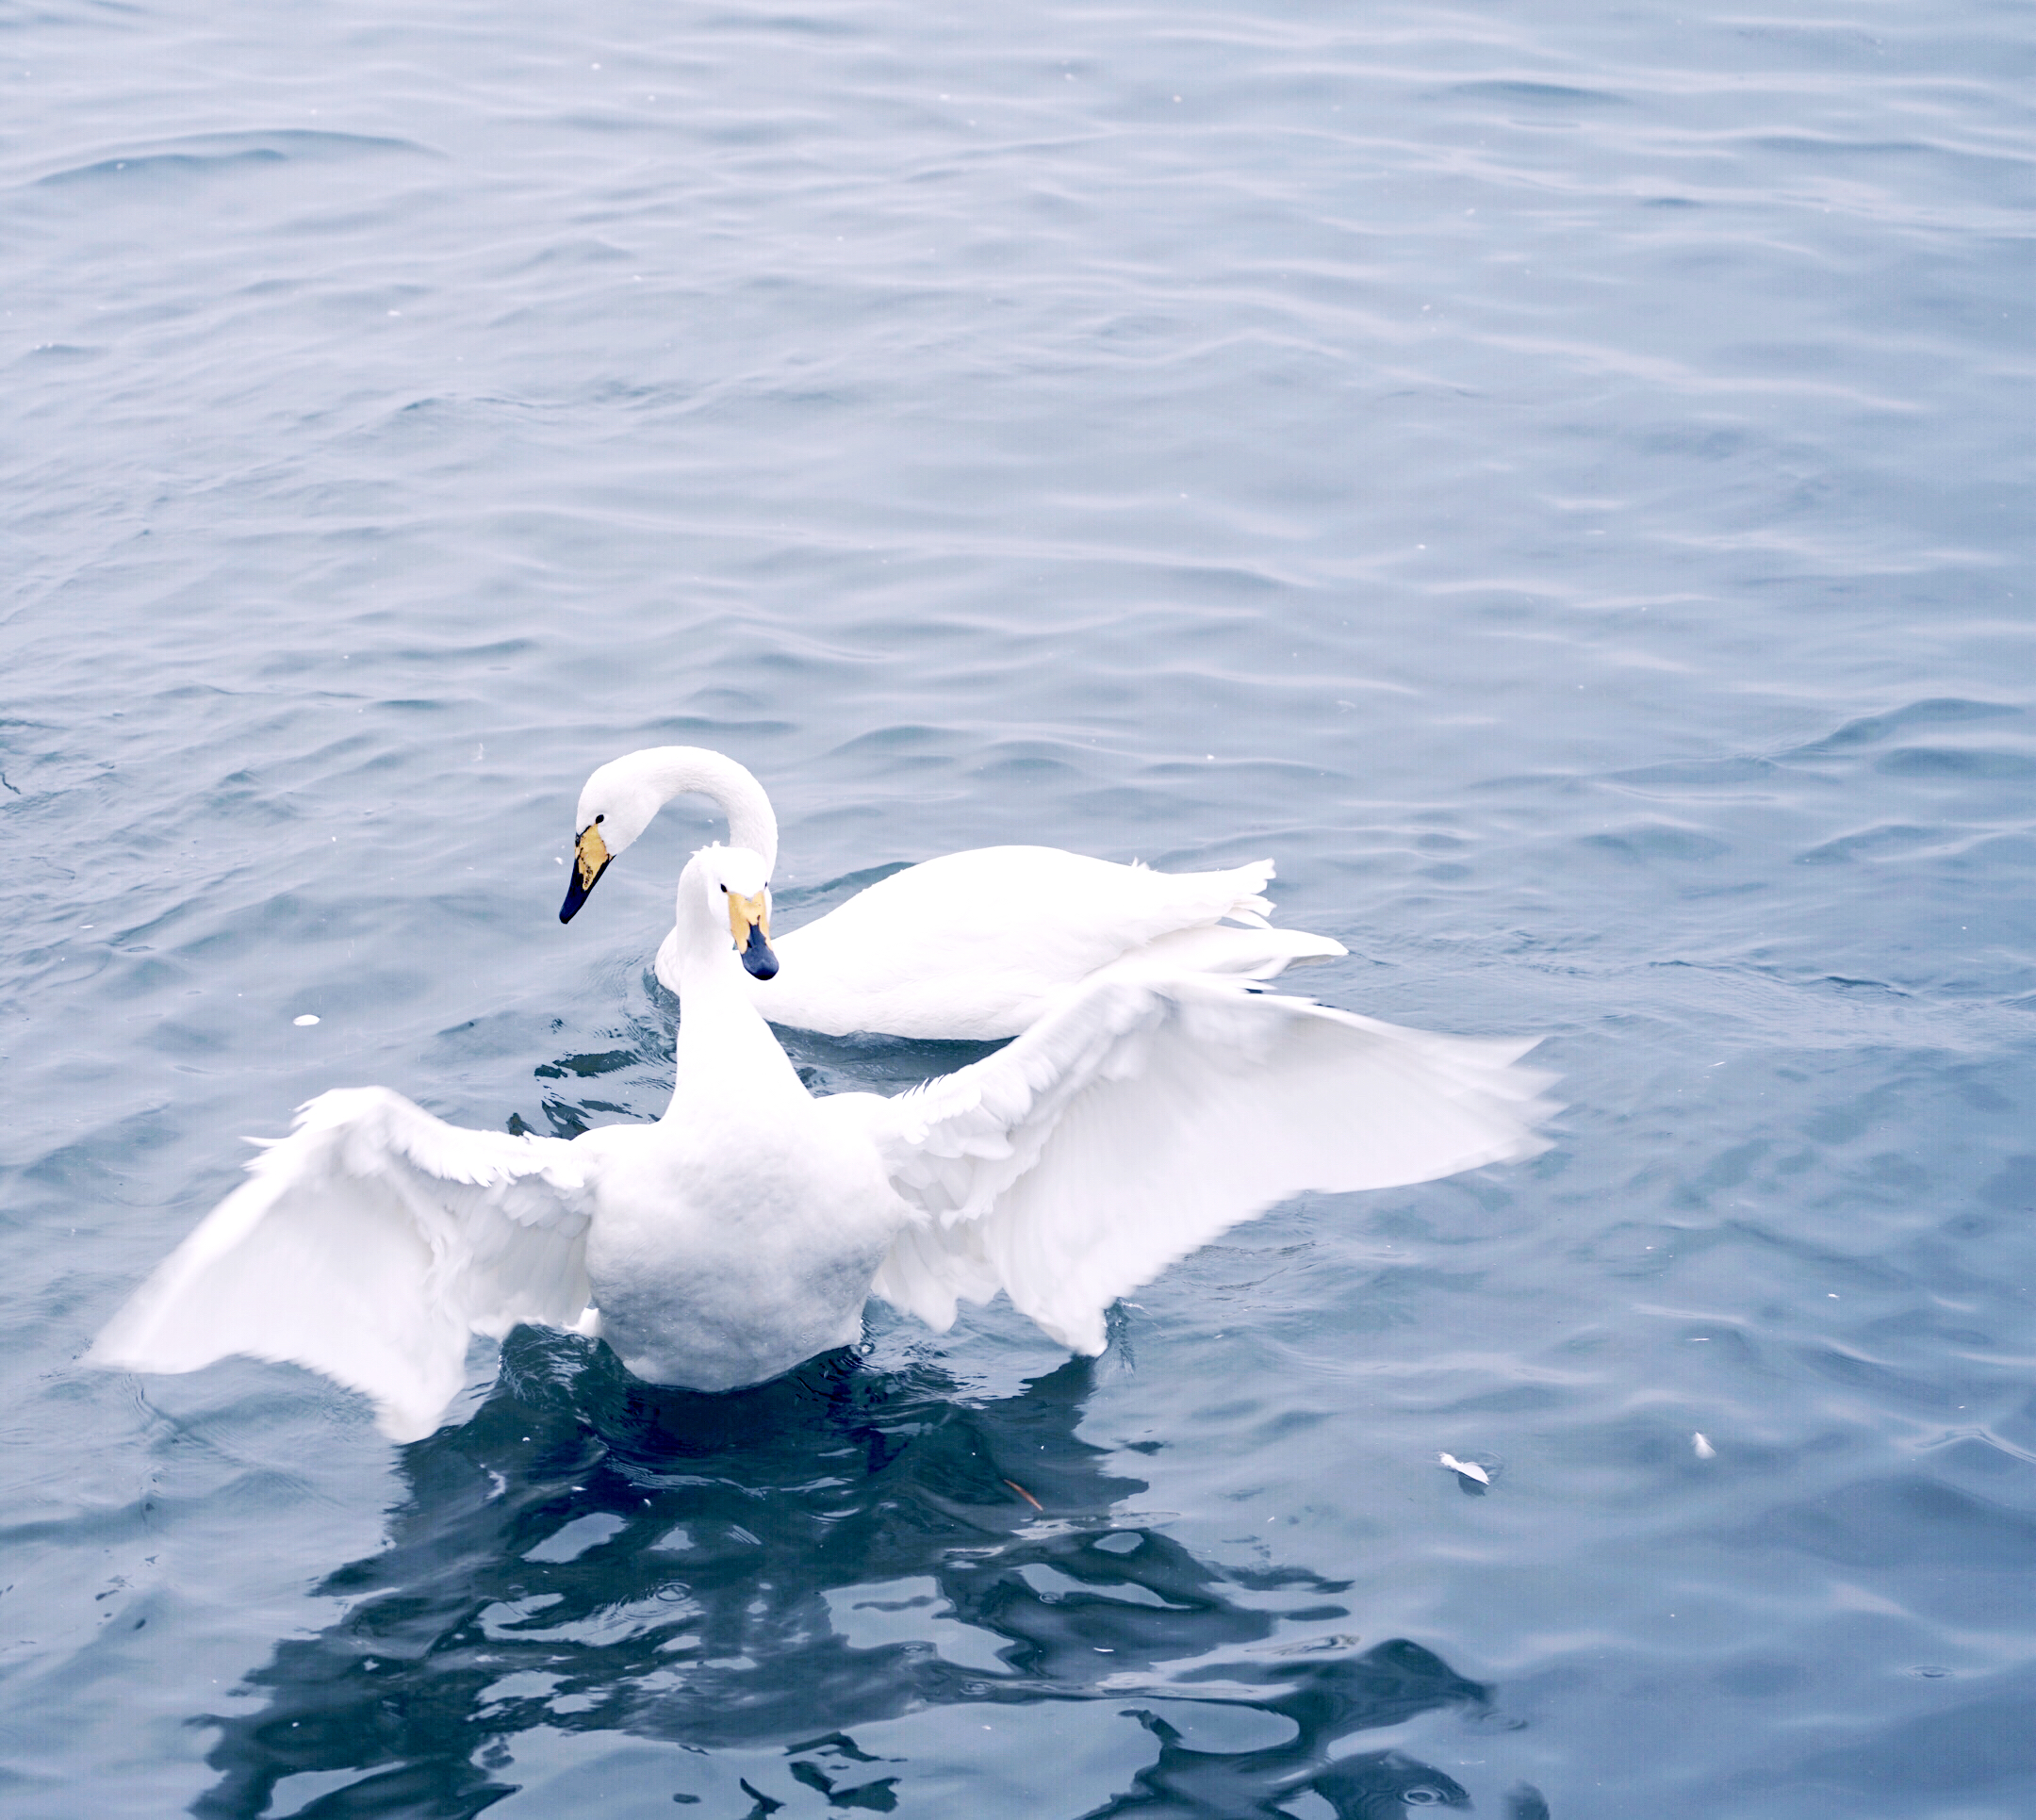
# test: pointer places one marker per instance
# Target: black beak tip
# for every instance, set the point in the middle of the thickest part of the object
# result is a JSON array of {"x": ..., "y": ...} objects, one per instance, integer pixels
[
  {"x": 757, "y": 957},
  {"x": 576, "y": 894}
]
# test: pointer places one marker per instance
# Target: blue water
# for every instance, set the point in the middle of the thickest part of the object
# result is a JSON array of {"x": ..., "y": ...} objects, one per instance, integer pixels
[{"x": 1556, "y": 479}]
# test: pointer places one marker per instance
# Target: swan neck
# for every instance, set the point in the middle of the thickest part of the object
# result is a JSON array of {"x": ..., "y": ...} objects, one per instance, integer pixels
[
  {"x": 724, "y": 1048},
  {"x": 682, "y": 770}
]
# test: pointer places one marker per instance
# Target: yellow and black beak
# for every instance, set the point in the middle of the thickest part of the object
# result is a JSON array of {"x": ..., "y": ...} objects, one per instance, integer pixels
[
  {"x": 749, "y": 923},
  {"x": 590, "y": 859}
]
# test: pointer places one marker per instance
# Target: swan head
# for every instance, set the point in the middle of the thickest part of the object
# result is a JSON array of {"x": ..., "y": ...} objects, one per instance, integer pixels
[
  {"x": 724, "y": 898},
  {"x": 617, "y": 805},
  {"x": 622, "y": 797}
]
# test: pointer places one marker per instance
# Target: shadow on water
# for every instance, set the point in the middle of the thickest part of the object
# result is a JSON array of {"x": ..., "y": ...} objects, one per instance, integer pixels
[{"x": 771, "y": 1569}]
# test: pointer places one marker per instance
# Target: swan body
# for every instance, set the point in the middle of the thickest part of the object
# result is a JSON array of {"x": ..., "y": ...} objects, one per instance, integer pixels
[
  {"x": 743, "y": 1232},
  {"x": 973, "y": 945}
]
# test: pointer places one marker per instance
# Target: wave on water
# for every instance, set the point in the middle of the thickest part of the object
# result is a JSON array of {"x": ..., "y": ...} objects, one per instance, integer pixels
[{"x": 778, "y": 1570}]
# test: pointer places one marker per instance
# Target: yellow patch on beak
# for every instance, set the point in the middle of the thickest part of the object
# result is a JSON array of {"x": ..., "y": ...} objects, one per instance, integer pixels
[
  {"x": 591, "y": 856},
  {"x": 744, "y": 913}
]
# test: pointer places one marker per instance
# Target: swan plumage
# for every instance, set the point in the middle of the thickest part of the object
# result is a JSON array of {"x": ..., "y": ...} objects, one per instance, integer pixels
[
  {"x": 970, "y": 945},
  {"x": 743, "y": 1232}
]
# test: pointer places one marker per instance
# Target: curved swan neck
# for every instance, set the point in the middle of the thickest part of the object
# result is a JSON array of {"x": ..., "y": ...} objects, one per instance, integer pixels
[{"x": 679, "y": 770}]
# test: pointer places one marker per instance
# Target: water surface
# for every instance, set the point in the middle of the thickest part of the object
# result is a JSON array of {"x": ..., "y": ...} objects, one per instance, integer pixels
[{"x": 1556, "y": 480}]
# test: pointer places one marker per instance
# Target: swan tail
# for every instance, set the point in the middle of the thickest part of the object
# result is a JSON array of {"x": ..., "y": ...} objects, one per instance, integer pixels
[
  {"x": 1259, "y": 953},
  {"x": 1247, "y": 903}
]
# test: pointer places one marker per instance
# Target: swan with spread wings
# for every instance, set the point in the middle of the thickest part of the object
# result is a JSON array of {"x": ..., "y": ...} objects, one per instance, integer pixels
[{"x": 742, "y": 1233}]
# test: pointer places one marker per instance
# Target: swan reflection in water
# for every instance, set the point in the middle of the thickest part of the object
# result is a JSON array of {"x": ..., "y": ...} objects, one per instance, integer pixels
[{"x": 769, "y": 1571}]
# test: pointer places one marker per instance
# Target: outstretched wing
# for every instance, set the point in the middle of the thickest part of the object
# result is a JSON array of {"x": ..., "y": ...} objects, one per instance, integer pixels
[
  {"x": 1139, "y": 1119},
  {"x": 369, "y": 1244}
]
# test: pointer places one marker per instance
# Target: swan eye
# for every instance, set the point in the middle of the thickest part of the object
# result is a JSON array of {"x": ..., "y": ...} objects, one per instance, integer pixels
[
  {"x": 724, "y": 890},
  {"x": 599, "y": 820}
]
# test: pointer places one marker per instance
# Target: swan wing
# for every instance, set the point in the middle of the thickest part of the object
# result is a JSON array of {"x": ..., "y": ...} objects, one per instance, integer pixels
[
  {"x": 369, "y": 1244},
  {"x": 1138, "y": 1119}
]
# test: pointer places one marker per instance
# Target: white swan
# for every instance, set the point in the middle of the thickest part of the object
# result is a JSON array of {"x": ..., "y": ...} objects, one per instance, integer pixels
[
  {"x": 743, "y": 1232},
  {"x": 971, "y": 946}
]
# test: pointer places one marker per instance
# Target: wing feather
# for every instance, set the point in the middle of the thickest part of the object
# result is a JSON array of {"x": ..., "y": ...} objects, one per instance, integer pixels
[
  {"x": 1141, "y": 1119},
  {"x": 369, "y": 1244}
]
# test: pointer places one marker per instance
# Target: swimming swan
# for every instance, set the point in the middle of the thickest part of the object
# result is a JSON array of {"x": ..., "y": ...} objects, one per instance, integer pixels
[
  {"x": 971, "y": 946},
  {"x": 743, "y": 1232}
]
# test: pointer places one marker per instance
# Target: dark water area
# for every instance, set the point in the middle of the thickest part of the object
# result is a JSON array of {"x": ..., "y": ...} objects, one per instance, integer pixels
[
  {"x": 1556, "y": 480},
  {"x": 849, "y": 1546}
]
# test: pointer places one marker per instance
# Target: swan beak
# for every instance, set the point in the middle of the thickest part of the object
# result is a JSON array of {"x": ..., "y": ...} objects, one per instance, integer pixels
[
  {"x": 590, "y": 859},
  {"x": 749, "y": 923}
]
